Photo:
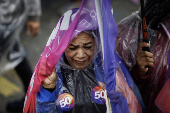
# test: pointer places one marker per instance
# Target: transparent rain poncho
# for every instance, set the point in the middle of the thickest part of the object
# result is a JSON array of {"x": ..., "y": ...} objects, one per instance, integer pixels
[
  {"x": 13, "y": 15},
  {"x": 79, "y": 91},
  {"x": 128, "y": 38}
]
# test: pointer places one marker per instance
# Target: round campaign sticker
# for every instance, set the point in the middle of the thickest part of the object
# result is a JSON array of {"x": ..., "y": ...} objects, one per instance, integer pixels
[
  {"x": 65, "y": 102},
  {"x": 98, "y": 95}
]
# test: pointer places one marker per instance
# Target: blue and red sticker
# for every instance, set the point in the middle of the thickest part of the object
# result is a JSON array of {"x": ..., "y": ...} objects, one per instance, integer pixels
[{"x": 97, "y": 95}]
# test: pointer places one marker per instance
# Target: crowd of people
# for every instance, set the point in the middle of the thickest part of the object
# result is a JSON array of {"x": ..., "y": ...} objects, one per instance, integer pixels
[{"x": 89, "y": 65}]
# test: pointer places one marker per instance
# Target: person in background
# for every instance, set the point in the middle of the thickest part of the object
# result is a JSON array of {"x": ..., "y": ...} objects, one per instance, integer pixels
[
  {"x": 14, "y": 14},
  {"x": 150, "y": 80}
]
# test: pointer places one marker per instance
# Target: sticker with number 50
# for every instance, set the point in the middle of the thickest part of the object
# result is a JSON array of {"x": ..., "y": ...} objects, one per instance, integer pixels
[
  {"x": 65, "y": 102},
  {"x": 98, "y": 95}
]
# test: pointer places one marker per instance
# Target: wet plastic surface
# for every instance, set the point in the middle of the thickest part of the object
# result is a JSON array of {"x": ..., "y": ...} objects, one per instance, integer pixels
[{"x": 129, "y": 36}]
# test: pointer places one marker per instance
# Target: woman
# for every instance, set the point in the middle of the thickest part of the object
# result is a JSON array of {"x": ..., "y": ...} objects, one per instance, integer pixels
[
  {"x": 78, "y": 75},
  {"x": 79, "y": 71},
  {"x": 77, "y": 82}
]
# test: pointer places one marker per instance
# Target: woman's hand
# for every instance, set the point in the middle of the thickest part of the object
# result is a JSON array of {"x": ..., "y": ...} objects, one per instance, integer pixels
[
  {"x": 102, "y": 85},
  {"x": 144, "y": 58},
  {"x": 50, "y": 81}
]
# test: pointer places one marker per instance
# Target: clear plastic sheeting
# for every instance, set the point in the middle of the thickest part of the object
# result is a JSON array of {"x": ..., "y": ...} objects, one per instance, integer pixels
[
  {"x": 122, "y": 87},
  {"x": 162, "y": 100},
  {"x": 128, "y": 38}
]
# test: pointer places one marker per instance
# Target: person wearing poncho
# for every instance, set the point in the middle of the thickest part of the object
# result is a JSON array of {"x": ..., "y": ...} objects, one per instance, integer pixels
[
  {"x": 77, "y": 73},
  {"x": 14, "y": 14},
  {"x": 72, "y": 63},
  {"x": 150, "y": 81}
]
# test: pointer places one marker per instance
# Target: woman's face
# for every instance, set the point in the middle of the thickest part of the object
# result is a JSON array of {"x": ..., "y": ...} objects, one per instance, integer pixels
[{"x": 80, "y": 51}]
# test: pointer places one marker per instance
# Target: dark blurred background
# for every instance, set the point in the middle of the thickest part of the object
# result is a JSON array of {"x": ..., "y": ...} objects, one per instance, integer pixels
[{"x": 10, "y": 85}]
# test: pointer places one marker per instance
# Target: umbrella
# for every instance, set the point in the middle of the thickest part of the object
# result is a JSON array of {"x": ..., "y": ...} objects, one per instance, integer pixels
[{"x": 155, "y": 11}]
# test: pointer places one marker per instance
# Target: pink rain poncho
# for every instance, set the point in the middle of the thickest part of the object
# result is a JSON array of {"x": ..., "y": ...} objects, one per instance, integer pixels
[{"x": 82, "y": 86}]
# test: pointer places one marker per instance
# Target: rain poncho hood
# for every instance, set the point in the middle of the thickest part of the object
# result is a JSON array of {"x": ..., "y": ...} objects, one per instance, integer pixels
[{"x": 94, "y": 16}]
